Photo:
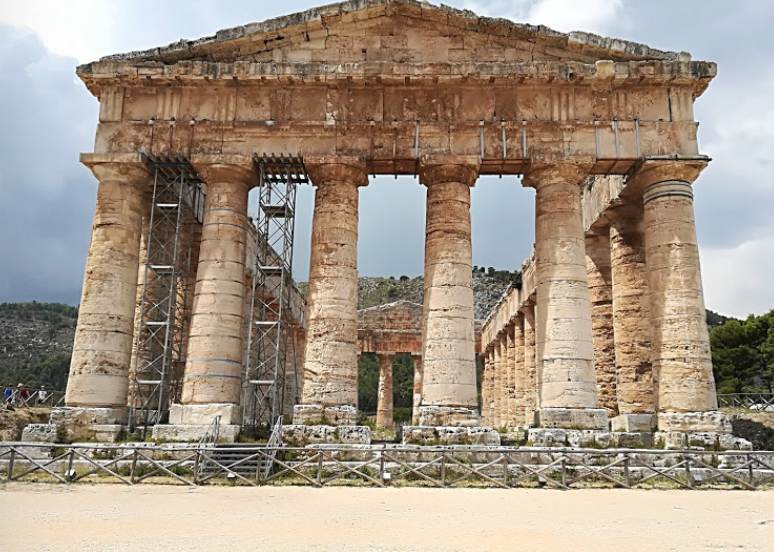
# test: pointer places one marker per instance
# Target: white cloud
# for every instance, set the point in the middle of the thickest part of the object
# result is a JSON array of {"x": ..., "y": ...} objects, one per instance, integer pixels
[
  {"x": 737, "y": 280},
  {"x": 76, "y": 28},
  {"x": 562, "y": 15},
  {"x": 571, "y": 15}
]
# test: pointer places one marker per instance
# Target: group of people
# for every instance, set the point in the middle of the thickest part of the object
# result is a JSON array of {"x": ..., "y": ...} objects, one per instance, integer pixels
[{"x": 22, "y": 396}]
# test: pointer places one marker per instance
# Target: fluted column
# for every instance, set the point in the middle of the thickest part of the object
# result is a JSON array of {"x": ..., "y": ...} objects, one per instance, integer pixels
[
  {"x": 601, "y": 293},
  {"x": 636, "y": 392},
  {"x": 449, "y": 393},
  {"x": 102, "y": 350},
  {"x": 681, "y": 351},
  {"x": 213, "y": 369},
  {"x": 417, "y": 391},
  {"x": 384, "y": 416},
  {"x": 565, "y": 355},
  {"x": 530, "y": 372},
  {"x": 330, "y": 359}
]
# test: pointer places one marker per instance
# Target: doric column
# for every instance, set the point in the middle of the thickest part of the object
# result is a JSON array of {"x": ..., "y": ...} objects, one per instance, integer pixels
[
  {"x": 631, "y": 319},
  {"x": 384, "y": 417},
  {"x": 517, "y": 368},
  {"x": 510, "y": 376},
  {"x": 487, "y": 381},
  {"x": 213, "y": 369},
  {"x": 449, "y": 394},
  {"x": 681, "y": 351},
  {"x": 568, "y": 394},
  {"x": 530, "y": 372},
  {"x": 102, "y": 350},
  {"x": 330, "y": 359},
  {"x": 601, "y": 293},
  {"x": 498, "y": 389},
  {"x": 143, "y": 276},
  {"x": 417, "y": 397}
]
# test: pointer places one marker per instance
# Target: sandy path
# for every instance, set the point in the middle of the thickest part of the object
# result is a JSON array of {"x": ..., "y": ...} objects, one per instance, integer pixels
[{"x": 110, "y": 517}]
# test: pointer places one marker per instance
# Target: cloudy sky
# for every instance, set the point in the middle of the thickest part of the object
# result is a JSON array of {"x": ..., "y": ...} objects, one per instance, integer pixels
[{"x": 47, "y": 198}]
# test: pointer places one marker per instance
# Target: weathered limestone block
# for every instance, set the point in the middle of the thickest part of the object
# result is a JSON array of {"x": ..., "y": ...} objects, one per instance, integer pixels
[
  {"x": 417, "y": 389},
  {"x": 572, "y": 418},
  {"x": 384, "y": 404},
  {"x": 103, "y": 336},
  {"x": 681, "y": 350},
  {"x": 632, "y": 322},
  {"x": 694, "y": 421},
  {"x": 301, "y": 435},
  {"x": 703, "y": 440},
  {"x": 330, "y": 357},
  {"x": 600, "y": 291},
  {"x": 448, "y": 329},
  {"x": 89, "y": 423},
  {"x": 448, "y": 416},
  {"x": 565, "y": 351},
  {"x": 213, "y": 369},
  {"x": 204, "y": 414},
  {"x": 192, "y": 433},
  {"x": 446, "y": 435},
  {"x": 633, "y": 422},
  {"x": 40, "y": 433},
  {"x": 530, "y": 372},
  {"x": 318, "y": 414},
  {"x": 588, "y": 438}
]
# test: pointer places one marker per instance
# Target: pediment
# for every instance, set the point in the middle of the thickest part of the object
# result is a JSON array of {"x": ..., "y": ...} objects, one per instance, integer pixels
[{"x": 402, "y": 31}]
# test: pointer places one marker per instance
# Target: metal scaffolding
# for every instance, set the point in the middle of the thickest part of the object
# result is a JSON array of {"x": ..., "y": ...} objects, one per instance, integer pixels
[
  {"x": 271, "y": 344},
  {"x": 176, "y": 214}
]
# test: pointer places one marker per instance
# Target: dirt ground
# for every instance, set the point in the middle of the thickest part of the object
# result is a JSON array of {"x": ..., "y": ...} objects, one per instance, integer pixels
[{"x": 110, "y": 517}]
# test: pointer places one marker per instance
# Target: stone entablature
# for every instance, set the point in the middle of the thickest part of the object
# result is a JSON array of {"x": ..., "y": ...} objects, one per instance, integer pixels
[{"x": 385, "y": 80}]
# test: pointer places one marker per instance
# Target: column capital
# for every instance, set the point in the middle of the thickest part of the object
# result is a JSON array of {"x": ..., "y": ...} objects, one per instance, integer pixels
[
  {"x": 625, "y": 215},
  {"x": 225, "y": 168},
  {"x": 324, "y": 169},
  {"x": 540, "y": 173},
  {"x": 650, "y": 172},
  {"x": 449, "y": 168},
  {"x": 125, "y": 167}
]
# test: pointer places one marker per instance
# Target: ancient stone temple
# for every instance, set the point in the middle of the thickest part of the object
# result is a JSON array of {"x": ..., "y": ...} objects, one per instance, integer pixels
[{"x": 608, "y": 324}]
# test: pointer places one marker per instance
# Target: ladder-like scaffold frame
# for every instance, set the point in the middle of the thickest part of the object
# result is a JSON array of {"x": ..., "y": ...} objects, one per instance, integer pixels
[
  {"x": 177, "y": 209},
  {"x": 270, "y": 344}
]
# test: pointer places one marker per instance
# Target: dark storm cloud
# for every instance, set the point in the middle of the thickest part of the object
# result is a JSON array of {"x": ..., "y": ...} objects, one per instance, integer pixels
[{"x": 46, "y": 196}]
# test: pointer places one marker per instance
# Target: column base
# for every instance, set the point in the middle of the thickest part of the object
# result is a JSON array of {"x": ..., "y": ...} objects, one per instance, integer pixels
[
  {"x": 633, "y": 422},
  {"x": 572, "y": 418},
  {"x": 194, "y": 422},
  {"x": 205, "y": 414},
  {"x": 82, "y": 423},
  {"x": 320, "y": 415},
  {"x": 710, "y": 420},
  {"x": 301, "y": 435},
  {"x": 449, "y": 416},
  {"x": 450, "y": 435}
]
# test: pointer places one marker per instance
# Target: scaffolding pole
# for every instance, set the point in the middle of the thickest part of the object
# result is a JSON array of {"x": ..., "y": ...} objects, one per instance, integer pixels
[
  {"x": 271, "y": 343},
  {"x": 177, "y": 207}
]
